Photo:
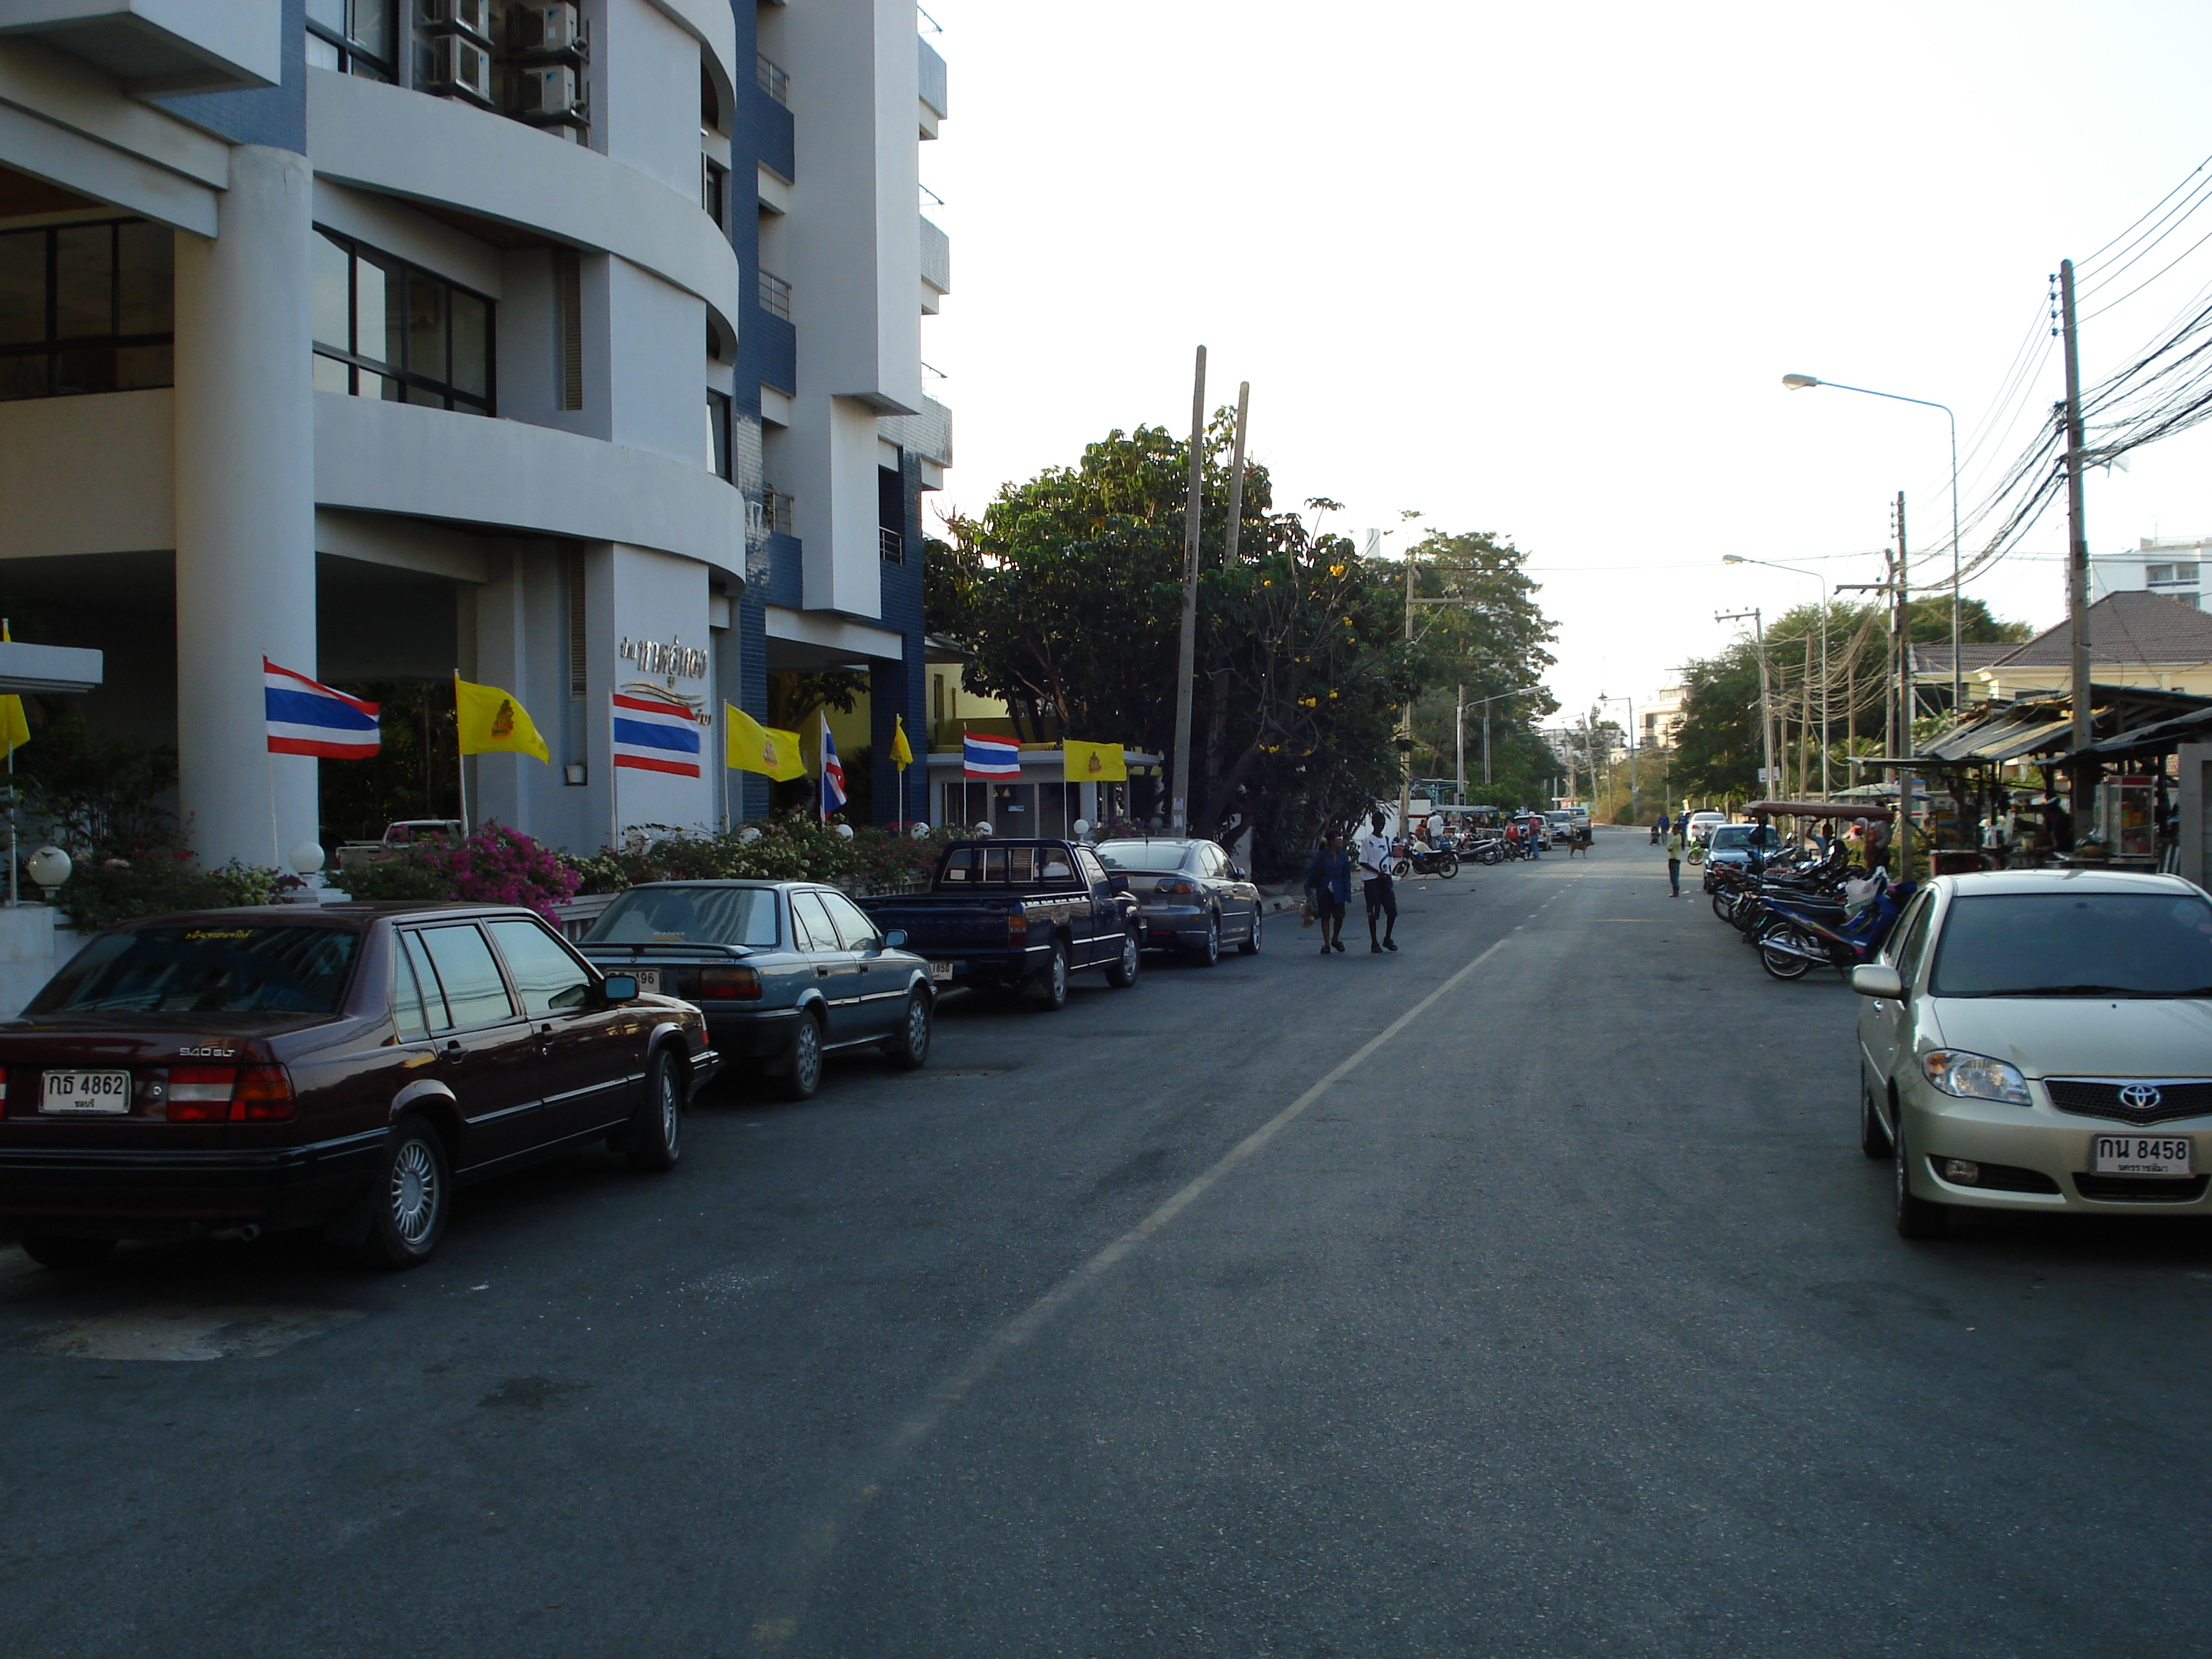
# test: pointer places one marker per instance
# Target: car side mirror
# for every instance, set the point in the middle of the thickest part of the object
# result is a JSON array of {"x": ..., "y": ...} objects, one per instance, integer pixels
[
  {"x": 1874, "y": 980},
  {"x": 1237, "y": 873},
  {"x": 1117, "y": 884},
  {"x": 620, "y": 988},
  {"x": 895, "y": 939}
]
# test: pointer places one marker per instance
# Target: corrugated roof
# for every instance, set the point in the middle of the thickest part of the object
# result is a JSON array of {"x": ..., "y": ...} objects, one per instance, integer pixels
[
  {"x": 1936, "y": 659},
  {"x": 2131, "y": 628}
]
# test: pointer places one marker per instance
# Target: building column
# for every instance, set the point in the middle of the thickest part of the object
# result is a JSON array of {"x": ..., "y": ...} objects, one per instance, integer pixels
[{"x": 245, "y": 509}]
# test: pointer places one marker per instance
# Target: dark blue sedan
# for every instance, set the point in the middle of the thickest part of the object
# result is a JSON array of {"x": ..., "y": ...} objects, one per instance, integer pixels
[{"x": 784, "y": 971}]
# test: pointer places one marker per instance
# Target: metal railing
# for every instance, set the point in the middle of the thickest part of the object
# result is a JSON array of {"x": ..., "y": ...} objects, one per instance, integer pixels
[
  {"x": 776, "y": 509},
  {"x": 772, "y": 80},
  {"x": 891, "y": 544},
  {"x": 775, "y": 295}
]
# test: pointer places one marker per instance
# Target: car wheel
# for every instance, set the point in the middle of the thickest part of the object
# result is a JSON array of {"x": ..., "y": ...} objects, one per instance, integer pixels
[
  {"x": 1207, "y": 951},
  {"x": 804, "y": 1074},
  {"x": 412, "y": 1197},
  {"x": 1249, "y": 945},
  {"x": 1781, "y": 963},
  {"x": 1122, "y": 974},
  {"x": 56, "y": 1250},
  {"x": 910, "y": 1050},
  {"x": 655, "y": 1137},
  {"x": 1874, "y": 1139},
  {"x": 1052, "y": 983},
  {"x": 1916, "y": 1217}
]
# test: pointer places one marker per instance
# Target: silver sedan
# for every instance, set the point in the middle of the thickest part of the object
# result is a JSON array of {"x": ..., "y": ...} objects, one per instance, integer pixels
[
  {"x": 2041, "y": 1040},
  {"x": 1194, "y": 898}
]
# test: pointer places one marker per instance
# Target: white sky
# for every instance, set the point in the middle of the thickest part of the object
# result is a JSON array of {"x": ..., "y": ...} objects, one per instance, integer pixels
[{"x": 1539, "y": 269}]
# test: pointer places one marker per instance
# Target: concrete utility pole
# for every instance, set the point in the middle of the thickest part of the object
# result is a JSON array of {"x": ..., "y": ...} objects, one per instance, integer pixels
[
  {"x": 2077, "y": 556},
  {"x": 1458, "y": 744},
  {"x": 1765, "y": 703},
  {"x": 1405, "y": 755},
  {"x": 1186, "y": 651},
  {"x": 1900, "y": 631}
]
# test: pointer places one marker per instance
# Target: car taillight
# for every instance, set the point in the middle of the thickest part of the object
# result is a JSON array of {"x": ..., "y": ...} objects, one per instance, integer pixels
[
  {"x": 1175, "y": 884},
  {"x": 200, "y": 1094},
  {"x": 230, "y": 1094},
  {"x": 1018, "y": 931},
  {"x": 264, "y": 1096},
  {"x": 729, "y": 985}
]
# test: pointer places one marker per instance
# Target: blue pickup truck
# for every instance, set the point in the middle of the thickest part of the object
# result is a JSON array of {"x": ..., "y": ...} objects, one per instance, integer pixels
[{"x": 1019, "y": 916}]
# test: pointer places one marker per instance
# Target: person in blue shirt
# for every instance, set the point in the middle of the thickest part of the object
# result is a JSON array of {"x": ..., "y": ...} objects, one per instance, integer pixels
[{"x": 1328, "y": 887}]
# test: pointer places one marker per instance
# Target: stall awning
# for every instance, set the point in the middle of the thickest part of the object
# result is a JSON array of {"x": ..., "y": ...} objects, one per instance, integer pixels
[{"x": 1807, "y": 809}]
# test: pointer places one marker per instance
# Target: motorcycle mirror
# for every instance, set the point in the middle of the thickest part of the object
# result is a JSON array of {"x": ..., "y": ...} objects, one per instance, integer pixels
[{"x": 1874, "y": 980}]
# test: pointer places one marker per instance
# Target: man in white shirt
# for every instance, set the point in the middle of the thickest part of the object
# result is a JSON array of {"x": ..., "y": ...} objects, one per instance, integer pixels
[{"x": 1375, "y": 886}]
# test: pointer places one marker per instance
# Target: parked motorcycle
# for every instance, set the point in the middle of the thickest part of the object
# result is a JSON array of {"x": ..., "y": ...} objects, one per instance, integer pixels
[
  {"x": 1426, "y": 861},
  {"x": 1799, "y": 942}
]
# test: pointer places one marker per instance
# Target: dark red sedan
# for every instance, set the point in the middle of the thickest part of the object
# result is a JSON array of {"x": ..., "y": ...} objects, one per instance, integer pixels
[{"x": 341, "y": 1068}]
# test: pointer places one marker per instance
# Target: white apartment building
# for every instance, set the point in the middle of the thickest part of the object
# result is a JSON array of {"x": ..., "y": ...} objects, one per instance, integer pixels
[
  {"x": 390, "y": 339},
  {"x": 2171, "y": 568}
]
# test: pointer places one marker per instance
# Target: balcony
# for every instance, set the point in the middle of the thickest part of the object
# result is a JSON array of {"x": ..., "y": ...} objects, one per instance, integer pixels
[
  {"x": 775, "y": 295},
  {"x": 152, "y": 47},
  {"x": 932, "y": 78},
  {"x": 772, "y": 80},
  {"x": 936, "y": 262},
  {"x": 928, "y": 434},
  {"x": 891, "y": 544}
]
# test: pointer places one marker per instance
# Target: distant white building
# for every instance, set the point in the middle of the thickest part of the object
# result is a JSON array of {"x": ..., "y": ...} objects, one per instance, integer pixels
[
  {"x": 2172, "y": 569},
  {"x": 1659, "y": 718}
]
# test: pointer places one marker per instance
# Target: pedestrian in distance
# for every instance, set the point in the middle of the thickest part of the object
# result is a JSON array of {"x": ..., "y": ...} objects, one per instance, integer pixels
[
  {"x": 1375, "y": 884},
  {"x": 1675, "y": 860},
  {"x": 1328, "y": 889},
  {"x": 1658, "y": 828}
]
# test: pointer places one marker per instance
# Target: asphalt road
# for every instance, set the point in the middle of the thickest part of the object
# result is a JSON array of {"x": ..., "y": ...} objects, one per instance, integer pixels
[{"x": 1523, "y": 1292}]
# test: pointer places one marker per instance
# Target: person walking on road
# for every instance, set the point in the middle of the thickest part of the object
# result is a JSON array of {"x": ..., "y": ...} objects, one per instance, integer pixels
[
  {"x": 1375, "y": 884},
  {"x": 1675, "y": 860},
  {"x": 1328, "y": 889}
]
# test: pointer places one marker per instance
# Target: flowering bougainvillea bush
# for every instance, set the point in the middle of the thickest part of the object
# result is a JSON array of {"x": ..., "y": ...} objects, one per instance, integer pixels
[{"x": 494, "y": 866}]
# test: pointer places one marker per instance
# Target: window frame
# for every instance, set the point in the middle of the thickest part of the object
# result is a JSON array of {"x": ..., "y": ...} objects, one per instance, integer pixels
[
  {"x": 54, "y": 346},
  {"x": 357, "y": 363},
  {"x": 351, "y": 50}
]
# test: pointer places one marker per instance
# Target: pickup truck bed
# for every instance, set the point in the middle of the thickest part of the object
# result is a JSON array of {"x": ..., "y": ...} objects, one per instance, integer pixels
[{"x": 1019, "y": 913}]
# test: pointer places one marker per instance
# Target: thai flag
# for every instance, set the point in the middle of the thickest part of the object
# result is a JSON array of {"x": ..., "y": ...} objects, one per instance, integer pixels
[
  {"x": 833, "y": 772},
  {"x": 308, "y": 718},
  {"x": 989, "y": 757},
  {"x": 656, "y": 737}
]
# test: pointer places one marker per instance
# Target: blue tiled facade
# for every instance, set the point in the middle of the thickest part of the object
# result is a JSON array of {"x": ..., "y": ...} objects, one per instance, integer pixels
[
  {"x": 273, "y": 116},
  {"x": 761, "y": 136}
]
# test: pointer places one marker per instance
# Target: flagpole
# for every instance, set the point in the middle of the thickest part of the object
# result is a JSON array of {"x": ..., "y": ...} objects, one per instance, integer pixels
[{"x": 275, "y": 853}]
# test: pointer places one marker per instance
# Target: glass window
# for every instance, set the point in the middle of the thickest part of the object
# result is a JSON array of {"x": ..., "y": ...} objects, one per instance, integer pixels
[
  {"x": 206, "y": 969},
  {"x": 386, "y": 329},
  {"x": 816, "y": 932},
  {"x": 717, "y": 435},
  {"x": 1916, "y": 940},
  {"x": 86, "y": 308},
  {"x": 2056, "y": 945},
  {"x": 549, "y": 979},
  {"x": 468, "y": 973},
  {"x": 426, "y": 980},
  {"x": 1093, "y": 872},
  {"x": 353, "y": 36},
  {"x": 689, "y": 916},
  {"x": 407, "y": 1000},
  {"x": 854, "y": 931}
]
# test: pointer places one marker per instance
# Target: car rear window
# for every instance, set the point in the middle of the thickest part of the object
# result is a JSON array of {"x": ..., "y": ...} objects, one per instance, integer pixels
[
  {"x": 209, "y": 968},
  {"x": 689, "y": 916},
  {"x": 1141, "y": 854},
  {"x": 2145, "y": 945},
  {"x": 988, "y": 866}
]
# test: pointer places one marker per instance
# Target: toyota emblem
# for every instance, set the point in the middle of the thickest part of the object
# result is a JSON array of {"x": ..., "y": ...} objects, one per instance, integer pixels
[{"x": 2141, "y": 1098}]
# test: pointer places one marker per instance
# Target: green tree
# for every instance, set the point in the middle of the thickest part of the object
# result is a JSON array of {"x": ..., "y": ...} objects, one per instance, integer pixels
[{"x": 1491, "y": 642}]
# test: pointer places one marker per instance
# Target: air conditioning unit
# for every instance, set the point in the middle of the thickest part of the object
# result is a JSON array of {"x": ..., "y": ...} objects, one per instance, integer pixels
[
  {"x": 461, "y": 68},
  {"x": 542, "y": 30},
  {"x": 470, "y": 17},
  {"x": 545, "y": 93}
]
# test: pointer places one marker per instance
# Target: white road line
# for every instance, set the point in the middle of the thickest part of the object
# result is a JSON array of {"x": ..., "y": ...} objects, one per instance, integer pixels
[{"x": 779, "y": 1620}]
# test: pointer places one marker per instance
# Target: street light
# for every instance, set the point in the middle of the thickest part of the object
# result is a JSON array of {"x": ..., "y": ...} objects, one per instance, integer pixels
[
  {"x": 1803, "y": 382},
  {"x": 1738, "y": 558}
]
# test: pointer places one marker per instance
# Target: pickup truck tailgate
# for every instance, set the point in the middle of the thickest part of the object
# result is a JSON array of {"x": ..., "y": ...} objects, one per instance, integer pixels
[{"x": 967, "y": 925}]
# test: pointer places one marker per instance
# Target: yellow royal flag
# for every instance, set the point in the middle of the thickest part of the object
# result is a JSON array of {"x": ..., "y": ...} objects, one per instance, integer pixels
[
  {"x": 490, "y": 722},
  {"x": 1094, "y": 763},
  {"x": 902, "y": 750},
  {"x": 750, "y": 746},
  {"x": 15, "y": 730}
]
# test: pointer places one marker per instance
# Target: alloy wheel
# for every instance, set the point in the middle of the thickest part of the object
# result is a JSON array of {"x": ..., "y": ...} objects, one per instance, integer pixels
[{"x": 416, "y": 1192}]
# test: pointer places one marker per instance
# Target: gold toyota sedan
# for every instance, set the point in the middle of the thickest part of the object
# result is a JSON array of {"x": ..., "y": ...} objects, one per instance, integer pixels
[{"x": 2041, "y": 1039}]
